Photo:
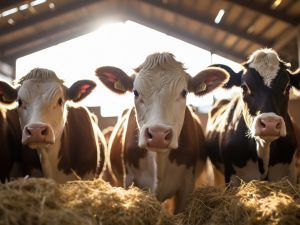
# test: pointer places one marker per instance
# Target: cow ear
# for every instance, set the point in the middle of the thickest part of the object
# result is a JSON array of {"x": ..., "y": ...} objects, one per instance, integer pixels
[
  {"x": 80, "y": 89},
  {"x": 234, "y": 79},
  {"x": 115, "y": 79},
  {"x": 295, "y": 79},
  {"x": 7, "y": 93},
  {"x": 208, "y": 80}
]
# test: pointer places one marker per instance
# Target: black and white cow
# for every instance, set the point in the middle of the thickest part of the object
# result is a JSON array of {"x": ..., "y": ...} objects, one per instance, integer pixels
[{"x": 251, "y": 136}]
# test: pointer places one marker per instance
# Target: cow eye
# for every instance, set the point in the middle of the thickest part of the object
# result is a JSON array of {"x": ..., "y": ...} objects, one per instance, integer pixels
[
  {"x": 287, "y": 89},
  {"x": 20, "y": 102},
  {"x": 184, "y": 93},
  {"x": 246, "y": 89},
  {"x": 136, "y": 94},
  {"x": 60, "y": 101}
]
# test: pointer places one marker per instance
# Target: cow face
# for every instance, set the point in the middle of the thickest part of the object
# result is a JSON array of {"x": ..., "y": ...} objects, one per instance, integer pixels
[
  {"x": 160, "y": 86},
  {"x": 265, "y": 82},
  {"x": 42, "y": 109}
]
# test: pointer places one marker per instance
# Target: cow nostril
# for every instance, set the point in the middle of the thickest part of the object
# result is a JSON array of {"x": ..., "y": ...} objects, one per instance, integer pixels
[
  {"x": 148, "y": 134},
  {"x": 169, "y": 135},
  {"x": 262, "y": 124},
  {"x": 44, "y": 132},
  {"x": 28, "y": 130},
  {"x": 278, "y": 126}
]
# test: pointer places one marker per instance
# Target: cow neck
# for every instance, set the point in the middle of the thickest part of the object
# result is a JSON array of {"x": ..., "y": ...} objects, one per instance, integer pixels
[
  {"x": 161, "y": 158},
  {"x": 49, "y": 160},
  {"x": 79, "y": 153},
  {"x": 263, "y": 152}
]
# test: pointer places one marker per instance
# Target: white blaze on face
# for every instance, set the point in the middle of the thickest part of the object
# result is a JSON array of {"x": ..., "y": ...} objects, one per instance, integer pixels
[
  {"x": 160, "y": 84},
  {"x": 266, "y": 63},
  {"x": 42, "y": 103}
]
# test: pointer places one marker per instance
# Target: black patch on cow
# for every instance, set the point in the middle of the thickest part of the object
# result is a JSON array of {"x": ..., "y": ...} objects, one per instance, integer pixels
[{"x": 261, "y": 166}]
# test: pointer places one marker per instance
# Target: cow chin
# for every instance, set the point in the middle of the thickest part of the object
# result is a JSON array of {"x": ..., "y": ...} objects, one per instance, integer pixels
[
  {"x": 38, "y": 145},
  {"x": 158, "y": 150}
]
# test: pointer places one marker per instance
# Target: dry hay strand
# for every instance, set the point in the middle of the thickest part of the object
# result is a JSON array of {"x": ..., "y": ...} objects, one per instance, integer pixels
[
  {"x": 42, "y": 201},
  {"x": 256, "y": 202}
]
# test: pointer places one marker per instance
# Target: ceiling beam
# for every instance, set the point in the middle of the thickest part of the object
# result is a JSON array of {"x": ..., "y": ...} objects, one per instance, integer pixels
[
  {"x": 285, "y": 38},
  {"x": 10, "y": 3},
  {"x": 157, "y": 24},
  {"x": 265, "y": 9},
  {"x": 209, "y": 21},
  {"x": 58, "y": 34},
  {"x": 39, "y": 18}
]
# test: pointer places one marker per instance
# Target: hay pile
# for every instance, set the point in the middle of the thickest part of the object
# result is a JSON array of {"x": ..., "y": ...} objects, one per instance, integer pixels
[
  {"x": 256, "y": 202},
  {"x": 41, "y": 202}
]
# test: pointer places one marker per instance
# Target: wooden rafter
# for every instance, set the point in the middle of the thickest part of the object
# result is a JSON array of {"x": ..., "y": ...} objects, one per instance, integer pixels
[
  {"x": 266, "y": 10},
  {"x": 31, "y": 21},
  {"x": 157, "y": 24},
  {"x": 84, "y": 26},
  {"x": 209, "y": 21},
  {"x": 10, "y": 3}
]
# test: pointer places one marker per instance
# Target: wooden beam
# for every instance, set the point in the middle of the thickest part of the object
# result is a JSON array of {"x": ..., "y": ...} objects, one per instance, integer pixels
[
  {"x": 266, "y": 10},
  {"x": 39, "y": 18},
  {"x": 209, "y": 21},
  {"x": 285, "y": 38},
  {"x": 7, "y": 70},
  {"x": 157, "y": 24},
  {"x": 5, "y": 4}
]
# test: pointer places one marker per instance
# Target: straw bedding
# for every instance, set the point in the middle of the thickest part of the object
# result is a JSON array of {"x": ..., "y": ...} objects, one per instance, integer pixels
[
  {"x": 256, "y": 202},
  {"x": 42, "y": 201}
]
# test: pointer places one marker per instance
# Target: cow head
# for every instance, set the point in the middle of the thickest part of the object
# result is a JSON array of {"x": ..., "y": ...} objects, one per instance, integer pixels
[
  {"x": 265, "y": 81},
  {"x": 42, "y": 101},
  {"x": 160, "y": 86}
]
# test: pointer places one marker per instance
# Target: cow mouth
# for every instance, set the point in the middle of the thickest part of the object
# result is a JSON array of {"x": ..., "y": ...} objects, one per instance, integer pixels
[
  {"x": 158, "y": 150},
  {"x": 268, "y": 136},
  {"x": 29, "y": 142}
]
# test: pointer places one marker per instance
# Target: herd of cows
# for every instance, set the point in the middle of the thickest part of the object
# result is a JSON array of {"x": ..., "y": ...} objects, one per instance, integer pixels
[{"x": 158, "y": 144}]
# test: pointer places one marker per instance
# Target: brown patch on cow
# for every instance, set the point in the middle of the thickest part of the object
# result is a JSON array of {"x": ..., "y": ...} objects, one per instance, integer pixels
[
  {"x": 123, "y": 145},
  {"x": 191, "y": 141},
  {"x": 115, "y": 149},
  {"x": 80, "y": 144},
  {"x": 133, "y": 153},
  {"x": 11, "y": 150}
]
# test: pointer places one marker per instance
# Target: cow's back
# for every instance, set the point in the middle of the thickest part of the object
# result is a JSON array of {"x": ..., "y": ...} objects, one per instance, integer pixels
[
  {"x": 81, "y": 143},
  {"x": 123, "y": 147},
  {"x": 222, "y": 121}
]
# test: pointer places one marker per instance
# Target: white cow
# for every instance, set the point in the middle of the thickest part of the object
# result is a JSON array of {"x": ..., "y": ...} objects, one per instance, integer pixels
[{"x": 159, "y": 145}]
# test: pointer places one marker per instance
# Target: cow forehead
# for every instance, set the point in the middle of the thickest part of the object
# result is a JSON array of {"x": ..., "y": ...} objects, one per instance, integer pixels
[
  {"x": 160, "y": 70},
  {"x": 267, "y": 63},
  {"x": 158, "y": 80},
  {"x": 45, "y": 89}
]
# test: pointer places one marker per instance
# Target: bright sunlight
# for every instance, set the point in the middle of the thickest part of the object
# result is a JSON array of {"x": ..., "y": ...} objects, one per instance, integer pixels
[{"x": 125, "y": 45}]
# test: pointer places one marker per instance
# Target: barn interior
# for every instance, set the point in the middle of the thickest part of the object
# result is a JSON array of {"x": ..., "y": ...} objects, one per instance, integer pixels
[
  {"x": 29, "y": 26},
  {"x": 230, "y": 28}
]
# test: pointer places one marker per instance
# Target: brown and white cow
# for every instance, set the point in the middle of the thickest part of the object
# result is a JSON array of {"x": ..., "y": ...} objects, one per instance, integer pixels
[
  {"x": 10, "y": 141},
  {"x": 159, "y": 144},
  {"x": 67, "y": 139},
  {"x": 252, "y": 136},
  {"x": 15, "y": 159}
]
